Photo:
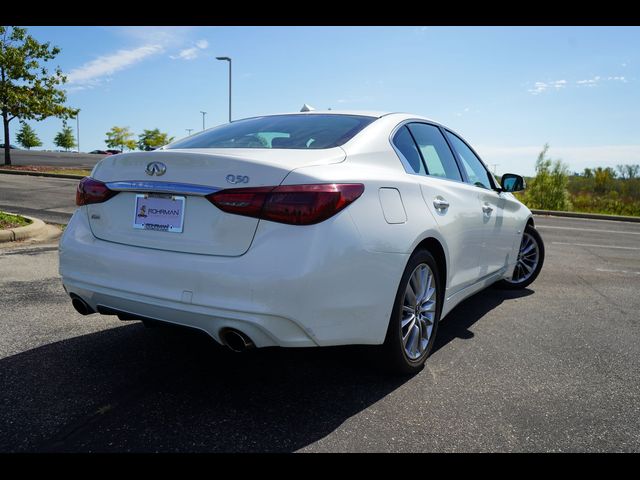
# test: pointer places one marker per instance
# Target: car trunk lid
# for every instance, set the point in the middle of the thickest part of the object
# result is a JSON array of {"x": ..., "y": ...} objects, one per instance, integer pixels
[{"x": 177, "y": 183}]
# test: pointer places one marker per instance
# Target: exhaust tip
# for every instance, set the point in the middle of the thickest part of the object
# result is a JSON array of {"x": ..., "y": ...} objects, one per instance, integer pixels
[
  {"x": 81, "y": 306},
  {"x": 235, "y": 340}
]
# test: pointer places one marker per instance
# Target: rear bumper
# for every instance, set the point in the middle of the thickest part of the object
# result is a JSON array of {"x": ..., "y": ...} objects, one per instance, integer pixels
[{"x": 295, "y": 287}]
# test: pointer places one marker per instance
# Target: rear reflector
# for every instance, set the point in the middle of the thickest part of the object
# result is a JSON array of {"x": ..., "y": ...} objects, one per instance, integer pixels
[
  {"x": 92, "y": 191},
  {"x": 291, "y": 204}
]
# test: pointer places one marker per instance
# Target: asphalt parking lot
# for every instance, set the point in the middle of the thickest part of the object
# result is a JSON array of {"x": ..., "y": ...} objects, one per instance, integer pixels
[
  {"x": 49, "y": 199},
  {"x": 551, "y": 368}
]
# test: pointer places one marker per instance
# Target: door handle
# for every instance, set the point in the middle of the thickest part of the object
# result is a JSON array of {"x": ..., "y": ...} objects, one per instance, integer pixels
[
  {"x": 486, "y": 208},
  {"x": 440, "y": 203}
]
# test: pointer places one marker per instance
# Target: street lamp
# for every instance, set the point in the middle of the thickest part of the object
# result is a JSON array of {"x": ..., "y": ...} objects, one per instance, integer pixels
[
  {"x": 203, "y": 114},
  {"x": 189, "y": 130},
  {"x": 227, "y": 59}
]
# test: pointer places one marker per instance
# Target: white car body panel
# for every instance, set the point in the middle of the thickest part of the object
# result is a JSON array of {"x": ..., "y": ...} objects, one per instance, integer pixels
[{"x": 332, "y": 283}]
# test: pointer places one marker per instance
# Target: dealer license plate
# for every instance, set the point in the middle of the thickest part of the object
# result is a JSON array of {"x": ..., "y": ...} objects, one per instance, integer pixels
[{"x": 163, "y": 213}]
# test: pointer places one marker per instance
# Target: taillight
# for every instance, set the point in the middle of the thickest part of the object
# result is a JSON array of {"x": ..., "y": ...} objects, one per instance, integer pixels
[
  {"x": 292, "y": 204},
  {"x": 92, "y": 191}
]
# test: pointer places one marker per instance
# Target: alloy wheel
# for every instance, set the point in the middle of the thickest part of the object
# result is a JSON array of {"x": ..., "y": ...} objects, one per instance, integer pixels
[{"x": 418, "y": 311}]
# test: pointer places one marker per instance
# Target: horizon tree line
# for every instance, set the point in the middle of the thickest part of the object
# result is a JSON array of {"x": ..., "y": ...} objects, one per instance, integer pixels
[{"x": 116, "y": 138}]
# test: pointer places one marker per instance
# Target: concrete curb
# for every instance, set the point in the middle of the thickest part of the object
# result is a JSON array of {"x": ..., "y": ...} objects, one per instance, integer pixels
[
  {"x": 41, "y": 174},
  {"x": 592, "y": 216},
  {"x": 22, "y": 233}
]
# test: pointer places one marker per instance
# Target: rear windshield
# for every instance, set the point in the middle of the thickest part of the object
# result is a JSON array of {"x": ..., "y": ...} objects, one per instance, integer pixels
[{"x": 311, "y": 131}]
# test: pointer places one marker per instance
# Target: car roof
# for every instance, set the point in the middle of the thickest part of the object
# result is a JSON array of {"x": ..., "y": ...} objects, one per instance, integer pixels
[{"x": 365, "y": 113}]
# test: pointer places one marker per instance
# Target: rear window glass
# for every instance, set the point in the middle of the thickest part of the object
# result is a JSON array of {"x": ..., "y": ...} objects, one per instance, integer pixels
[{"x": 280, "y": 131}]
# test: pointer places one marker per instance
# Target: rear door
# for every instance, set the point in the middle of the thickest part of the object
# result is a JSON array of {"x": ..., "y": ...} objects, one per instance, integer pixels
[{"x": 452, "y": 203}]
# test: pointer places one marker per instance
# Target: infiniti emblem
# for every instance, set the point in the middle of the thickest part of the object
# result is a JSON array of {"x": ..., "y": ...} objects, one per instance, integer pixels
[{"x": 156, "y": 168}]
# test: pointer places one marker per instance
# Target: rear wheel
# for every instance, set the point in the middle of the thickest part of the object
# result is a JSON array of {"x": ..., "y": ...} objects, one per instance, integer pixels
[
  {"x": 414, "y": 319},
  {"x": 530, "y": 260}
]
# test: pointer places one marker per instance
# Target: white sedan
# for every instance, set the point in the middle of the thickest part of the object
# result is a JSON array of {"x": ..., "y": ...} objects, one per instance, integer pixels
[{"x": 299, "y": 230}]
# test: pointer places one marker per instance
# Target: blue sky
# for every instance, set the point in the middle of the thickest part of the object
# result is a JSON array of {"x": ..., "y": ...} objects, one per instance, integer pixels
[{"x": 507, "y": 90}]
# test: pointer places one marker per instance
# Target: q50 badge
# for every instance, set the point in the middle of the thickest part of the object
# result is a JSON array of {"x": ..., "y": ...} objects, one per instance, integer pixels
[{"x": 235, "y": 179}]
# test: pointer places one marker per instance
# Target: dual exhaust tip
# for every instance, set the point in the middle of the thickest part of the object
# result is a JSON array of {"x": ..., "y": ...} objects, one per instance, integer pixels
[
  {"x": 81, "y": 306},
  {"x": 233, "y": 339}
]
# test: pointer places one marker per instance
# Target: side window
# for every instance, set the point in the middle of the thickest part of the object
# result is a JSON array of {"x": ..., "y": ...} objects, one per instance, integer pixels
[
  {"x": 476, "y": 172},
  {"x": 435, "y": 151},
  {"x": 407, "y": 147}
]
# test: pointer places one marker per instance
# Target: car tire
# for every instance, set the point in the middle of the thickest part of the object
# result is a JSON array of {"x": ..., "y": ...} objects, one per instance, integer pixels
[
  {"x": 398, "y": 355},
  {"x": 530, "y": 238}
]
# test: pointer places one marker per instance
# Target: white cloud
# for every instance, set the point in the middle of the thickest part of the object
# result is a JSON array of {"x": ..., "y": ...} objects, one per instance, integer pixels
[
  {"x": 192, "y": 52},
  {"x": 592, "y": 82},
  {"x": 91, "y": 73},
  {"x": 589, "y": 82},
  {"x": 186, "y": 54},
  {"x": 522, "y": 159},
  {"x": 540, "y": 87}
]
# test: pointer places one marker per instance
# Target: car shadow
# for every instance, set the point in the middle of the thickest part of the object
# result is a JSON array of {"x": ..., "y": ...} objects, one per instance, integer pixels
[
  {"x": 130, "y": 388},
  {"x": 464, "y": 315}
]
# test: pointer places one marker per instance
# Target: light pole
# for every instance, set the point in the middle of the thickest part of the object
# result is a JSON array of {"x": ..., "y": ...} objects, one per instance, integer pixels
[
  {"x": 189, "y": 130},
  {"x": 227, "y": 59},
  {"x": 203, "y": 114}
]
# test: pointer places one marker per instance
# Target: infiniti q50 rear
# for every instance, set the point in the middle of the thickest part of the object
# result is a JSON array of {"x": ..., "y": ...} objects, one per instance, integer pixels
[{"x": 300, "y": 230}]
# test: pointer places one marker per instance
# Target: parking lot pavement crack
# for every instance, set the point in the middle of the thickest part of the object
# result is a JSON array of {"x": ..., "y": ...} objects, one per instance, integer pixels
[{"x": 602, "y": 295}]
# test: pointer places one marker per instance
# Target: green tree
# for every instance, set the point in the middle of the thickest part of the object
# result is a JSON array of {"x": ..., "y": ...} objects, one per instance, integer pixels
[
  {"x": 121, "y": 138},
  {"x": 628, "y": 171},
  {"x": 27, "y": 137},
  {"x": 152, "y": 139},
  {"x": 548, "y": 189},
  {"x": 64, "y": 138},
  {"x": 603, "y": 179},
  {"x": 27, "y": 90}
]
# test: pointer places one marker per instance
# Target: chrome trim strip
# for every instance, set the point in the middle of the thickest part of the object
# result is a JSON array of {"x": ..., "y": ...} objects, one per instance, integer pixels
[{"x": 162, "y": 187}]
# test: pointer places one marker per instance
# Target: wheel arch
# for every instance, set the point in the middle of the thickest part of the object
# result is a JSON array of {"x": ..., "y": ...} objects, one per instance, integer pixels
[
  {"x": 530, "y": 222},
  {"x": 436, "y": 249}
]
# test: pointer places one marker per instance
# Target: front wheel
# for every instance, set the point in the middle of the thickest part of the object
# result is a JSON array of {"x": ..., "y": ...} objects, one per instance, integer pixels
[
  {"x": 530, "y": 260},
  {"x": 414, "y": 319}
]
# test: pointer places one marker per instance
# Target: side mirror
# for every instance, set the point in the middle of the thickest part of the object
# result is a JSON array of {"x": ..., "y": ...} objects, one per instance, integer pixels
[{"x": 511, "y": 182}]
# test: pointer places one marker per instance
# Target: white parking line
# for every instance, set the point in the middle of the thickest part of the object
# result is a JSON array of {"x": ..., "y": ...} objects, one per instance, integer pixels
[
  {"x": 587, "y": 229},
  {"x": 600, "y": 246},
  {"x": 616, "y": 271}
]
